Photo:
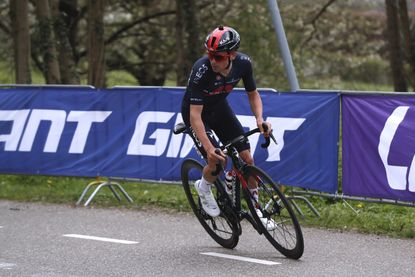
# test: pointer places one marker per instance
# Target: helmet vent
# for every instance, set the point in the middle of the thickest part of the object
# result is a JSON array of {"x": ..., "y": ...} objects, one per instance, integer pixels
[{"x": 213, "y": 42}]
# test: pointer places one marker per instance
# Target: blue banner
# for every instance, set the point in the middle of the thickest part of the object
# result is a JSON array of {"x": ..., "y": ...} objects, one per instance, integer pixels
[
  {"x": 127, "y": 132},
  {"x": 306, "y": 126}
]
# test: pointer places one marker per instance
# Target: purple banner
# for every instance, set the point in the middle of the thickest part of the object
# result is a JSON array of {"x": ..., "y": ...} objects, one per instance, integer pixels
[{"x": 379, "y": 146}]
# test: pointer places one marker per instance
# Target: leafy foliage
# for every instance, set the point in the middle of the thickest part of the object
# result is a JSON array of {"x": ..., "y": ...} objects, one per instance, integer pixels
[{"x": 344, "y": 43}]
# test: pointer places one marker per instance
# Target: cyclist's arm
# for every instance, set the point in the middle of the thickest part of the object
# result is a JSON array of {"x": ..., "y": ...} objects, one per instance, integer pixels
[
  {"x": 198, "y": 126},
  {"x": 256, "y": 107},
  {"x": 200, "y": 131}
]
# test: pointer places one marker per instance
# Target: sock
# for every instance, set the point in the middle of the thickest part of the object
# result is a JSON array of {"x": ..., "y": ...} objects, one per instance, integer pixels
[
  {"x": 204, "y": 185},
  {"x": 254, "y": 193}
]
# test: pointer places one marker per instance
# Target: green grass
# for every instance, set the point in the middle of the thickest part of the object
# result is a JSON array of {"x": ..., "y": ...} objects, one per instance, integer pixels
[
  {"x": 382, "y": 219},
  {"x": 365, "y": 217},
  {"x": 68, "y": 189}
]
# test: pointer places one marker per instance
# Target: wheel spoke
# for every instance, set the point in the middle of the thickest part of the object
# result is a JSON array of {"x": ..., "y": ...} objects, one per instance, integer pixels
[
  {"x": 221, "y": 228},
  {"x": 279, "y": 223}
]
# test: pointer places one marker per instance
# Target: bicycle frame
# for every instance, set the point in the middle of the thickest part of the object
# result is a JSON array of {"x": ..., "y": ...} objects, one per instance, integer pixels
[
  {"x": 238, "y": 166},
  {"x": 270, "y": 214}
]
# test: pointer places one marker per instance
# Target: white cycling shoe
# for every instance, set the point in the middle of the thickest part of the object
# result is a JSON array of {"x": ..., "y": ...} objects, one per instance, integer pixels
[
  {"x": 209, "y": 204},
  {"x": 269, "y": 224}
]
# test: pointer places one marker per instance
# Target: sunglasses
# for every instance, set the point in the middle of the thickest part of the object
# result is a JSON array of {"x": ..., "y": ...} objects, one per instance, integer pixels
[{"x": 216, "y": 57}]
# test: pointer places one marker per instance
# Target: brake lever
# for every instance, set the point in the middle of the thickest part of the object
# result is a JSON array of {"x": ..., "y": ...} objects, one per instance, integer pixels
[
  {"x": 266, "y": 143},
  {"x": 272, "y": 137},
  {"x": 267, "y": 139}
]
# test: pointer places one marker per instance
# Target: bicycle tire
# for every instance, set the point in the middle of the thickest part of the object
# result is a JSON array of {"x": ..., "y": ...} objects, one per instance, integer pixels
[
  {"x": 284, "y": 230},
  {"x": 223, "y": 229}
]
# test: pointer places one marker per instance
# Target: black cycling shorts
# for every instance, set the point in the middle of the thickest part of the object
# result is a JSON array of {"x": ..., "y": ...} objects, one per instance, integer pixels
[{"x": 223, "y": 121}]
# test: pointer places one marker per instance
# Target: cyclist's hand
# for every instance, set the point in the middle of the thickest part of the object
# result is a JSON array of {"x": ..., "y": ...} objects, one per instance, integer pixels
[
  {"x": 215, "y": 155},
  {"x": 268, "y": 129}
]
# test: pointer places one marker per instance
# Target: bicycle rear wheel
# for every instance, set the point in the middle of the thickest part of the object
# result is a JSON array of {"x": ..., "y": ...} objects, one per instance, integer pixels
[
  {"x": 223, "y": 229},
  {"x": 279, "y": 223}
]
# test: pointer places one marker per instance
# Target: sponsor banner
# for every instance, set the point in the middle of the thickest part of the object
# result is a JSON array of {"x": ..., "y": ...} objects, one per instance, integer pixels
[
  {"x": 306, "y": 126},
  {"x": 127, "y": 132},
  {"x": 379, "y": 146}
]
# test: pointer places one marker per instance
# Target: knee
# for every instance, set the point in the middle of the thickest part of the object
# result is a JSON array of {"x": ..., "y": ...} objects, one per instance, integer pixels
[{"x": 247, "y": 157}]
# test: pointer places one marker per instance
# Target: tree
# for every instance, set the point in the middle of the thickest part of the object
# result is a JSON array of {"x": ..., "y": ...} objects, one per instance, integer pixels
[
  {"x": 145, "y": 45},
  {"x": 47, "y": 43},
  {"x": 61, "y": 29},
  {"x": 96, "y": 43},
  {"x": 158, "y": 40},
  {"x": 21, "y": 38},
  {"x": 408, "y": 41},
  {"x": 394, "y": 43},
  {"x": 187, "y": 36},
  {"x": 180, "y": 70}
]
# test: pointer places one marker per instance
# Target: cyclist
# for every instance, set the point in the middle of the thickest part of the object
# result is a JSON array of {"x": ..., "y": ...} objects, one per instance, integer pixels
[{"x": 205, "y": 108}]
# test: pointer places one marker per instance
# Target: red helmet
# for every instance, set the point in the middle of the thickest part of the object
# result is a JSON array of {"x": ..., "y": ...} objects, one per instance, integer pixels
[{"x": 223, "y": 39}]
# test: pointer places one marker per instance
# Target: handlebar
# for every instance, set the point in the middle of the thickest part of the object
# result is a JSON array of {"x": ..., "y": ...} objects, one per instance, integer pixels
[
  {"x": 249, "y": 133},
  {"x": 241, "y": 137}
]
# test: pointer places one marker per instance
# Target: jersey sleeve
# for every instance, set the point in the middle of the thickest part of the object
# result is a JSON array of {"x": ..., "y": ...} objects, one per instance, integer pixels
[
  {"x": 248, "y": 77},
  {"x": 196, "y": 84}
]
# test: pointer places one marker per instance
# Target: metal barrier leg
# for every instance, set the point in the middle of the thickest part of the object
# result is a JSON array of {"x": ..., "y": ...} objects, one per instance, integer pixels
[
  {"x": 94, "y": 193},
  {"x": 124, "y": 192},
  {"x": 296, "y": 207},
  {"x": 86, "y": 190},
  {"x": 350, "y": 206},
  {"x": 114, "y": 192},
  {"x": 314, "y": 210},
  {"x": 110, "y": 185}
]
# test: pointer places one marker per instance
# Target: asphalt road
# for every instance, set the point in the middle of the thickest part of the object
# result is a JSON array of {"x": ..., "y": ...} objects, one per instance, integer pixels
[{"x": 59, "y": 240}]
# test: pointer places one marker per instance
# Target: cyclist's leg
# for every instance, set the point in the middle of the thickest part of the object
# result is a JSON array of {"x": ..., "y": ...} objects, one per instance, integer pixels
[
  {"x": 204, "y": 185},
  {"x": 207, "y": 118},
  {"x": 228, "y": 128},
  {"x": 207, "y": 170},
  {"x": 246, "y": 156}
]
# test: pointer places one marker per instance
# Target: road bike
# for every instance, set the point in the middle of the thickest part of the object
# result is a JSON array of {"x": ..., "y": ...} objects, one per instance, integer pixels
[{"x": 272, "y": 215}]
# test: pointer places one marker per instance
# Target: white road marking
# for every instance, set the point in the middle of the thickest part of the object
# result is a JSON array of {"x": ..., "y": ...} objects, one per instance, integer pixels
[
  {"x": 1, "y": 227},
  {"x": 100, "y": 239},
  {"x": 6, "y": 265},
  {"x": 251, "y": 260}
]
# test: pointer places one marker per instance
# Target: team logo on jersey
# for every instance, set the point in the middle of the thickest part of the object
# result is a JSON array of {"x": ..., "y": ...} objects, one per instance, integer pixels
[{"x": 199, "y": 73}]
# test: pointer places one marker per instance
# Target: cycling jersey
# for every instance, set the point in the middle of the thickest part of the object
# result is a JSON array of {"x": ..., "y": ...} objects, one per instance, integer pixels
[
  {"x": 206, "y": 87},
  {"x": 210, "y": 89}
]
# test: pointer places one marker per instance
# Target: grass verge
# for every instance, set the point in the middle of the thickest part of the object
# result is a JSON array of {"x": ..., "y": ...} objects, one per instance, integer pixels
[{"x": 380, "y": 219}]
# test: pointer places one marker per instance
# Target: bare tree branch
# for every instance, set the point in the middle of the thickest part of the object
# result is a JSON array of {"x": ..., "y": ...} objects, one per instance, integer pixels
[
  {"x": 132, "y": 24},
  {"x": 125, "y": 28},
  {"x": 314, "y": 20}
]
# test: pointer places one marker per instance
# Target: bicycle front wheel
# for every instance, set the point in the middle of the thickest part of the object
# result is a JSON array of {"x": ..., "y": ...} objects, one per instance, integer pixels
[
  {"x": 223, "y": 229},
  {"x": 273, "y": 214}
]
